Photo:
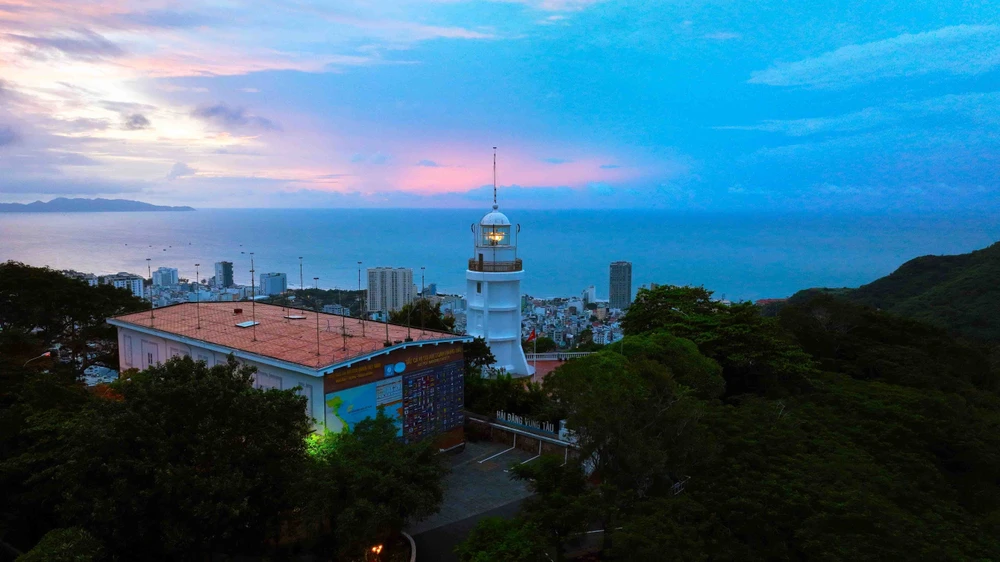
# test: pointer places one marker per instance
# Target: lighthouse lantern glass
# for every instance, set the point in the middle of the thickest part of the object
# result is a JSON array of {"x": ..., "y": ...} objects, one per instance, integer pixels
[{"x": 496, "y": 235}]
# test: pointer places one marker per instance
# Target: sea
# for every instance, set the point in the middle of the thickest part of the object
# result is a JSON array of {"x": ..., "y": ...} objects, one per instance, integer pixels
[{"x": 739, "y": 256}]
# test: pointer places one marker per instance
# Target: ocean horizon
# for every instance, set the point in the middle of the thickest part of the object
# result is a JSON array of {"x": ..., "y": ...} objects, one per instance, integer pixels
[{"x": 740, "y": 256}]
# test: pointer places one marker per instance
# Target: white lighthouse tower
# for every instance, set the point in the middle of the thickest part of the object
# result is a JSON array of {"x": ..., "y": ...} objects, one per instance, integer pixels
[{"x": 494, "y": 288}]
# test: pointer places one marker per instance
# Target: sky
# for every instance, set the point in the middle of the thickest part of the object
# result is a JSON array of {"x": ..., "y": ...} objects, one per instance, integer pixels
[{"x": 719, "y": 105}]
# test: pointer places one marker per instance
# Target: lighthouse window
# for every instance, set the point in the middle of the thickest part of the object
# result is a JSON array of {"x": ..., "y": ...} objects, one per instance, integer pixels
[
  {"x": 479, "y": 286},
  {"x": 496, "y": 235}
]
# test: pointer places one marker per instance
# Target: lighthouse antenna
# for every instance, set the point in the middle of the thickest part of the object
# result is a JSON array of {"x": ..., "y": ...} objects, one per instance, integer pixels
[{"x": 494, "y": 178}]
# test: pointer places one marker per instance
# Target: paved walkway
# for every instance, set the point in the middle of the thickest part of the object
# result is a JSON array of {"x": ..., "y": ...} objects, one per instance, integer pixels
[
  {"x": 438, "y": 545},
  {"x": 476, "y": 485}
]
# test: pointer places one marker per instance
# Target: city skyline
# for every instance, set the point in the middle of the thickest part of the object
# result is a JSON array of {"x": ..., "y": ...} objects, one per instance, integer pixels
[{"x": 592, "y": 104}]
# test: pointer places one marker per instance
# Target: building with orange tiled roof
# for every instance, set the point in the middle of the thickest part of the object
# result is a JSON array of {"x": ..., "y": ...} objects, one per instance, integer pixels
[{"x": 345, "y": 367}]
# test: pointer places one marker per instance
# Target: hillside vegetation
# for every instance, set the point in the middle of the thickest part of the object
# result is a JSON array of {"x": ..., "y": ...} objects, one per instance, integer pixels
[{"x": 958, "y": 293}]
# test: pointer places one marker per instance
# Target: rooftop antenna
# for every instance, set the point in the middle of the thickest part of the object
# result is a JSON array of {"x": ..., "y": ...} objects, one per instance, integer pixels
[
  {"x": 316, "y": 306},
  {"x": 495, "y": 207},
  {"x": 301, "y": 282},
  {"x": 149, "y": 269},
  {"x": 253, "y": 300},
  {"x": 197, "y": 295}
]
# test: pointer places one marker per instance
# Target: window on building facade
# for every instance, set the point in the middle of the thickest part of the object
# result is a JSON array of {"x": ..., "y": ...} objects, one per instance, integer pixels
[
  {"x": 128, "y": 351},
  {"x": 267, "y": 381},
  {"x": 307, "y": 391},
  {"x": 479, "y": 287}
]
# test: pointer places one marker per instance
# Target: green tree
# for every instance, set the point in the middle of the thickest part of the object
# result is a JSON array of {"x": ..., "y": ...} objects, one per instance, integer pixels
[
  {"x": 562, "y": 504},
  {"x": 365, "y": 484},
  {"x": 486, "y": 395},
  {"x": 495, "y": 539},
  {"x": 422, "y": 313},
  {"x": 65, "y": 545},
  {"x": 868, "y": 344},
  {"x": 757, "y": 356},
  {"x": 542, "y": 344},
  {"x": 686, "y": 364},
  {"x": 674, "y": 528},
  {"x": 41, "y": 308},
  {"x": 667, "y": 305},
  {"x": 477, "y": 356},
  {"x": 185, "y": 461},
  {"x": 634, "y": 425}
]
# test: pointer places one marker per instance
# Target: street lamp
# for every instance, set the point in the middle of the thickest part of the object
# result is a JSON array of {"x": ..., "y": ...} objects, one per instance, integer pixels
[
  {"x": 46, "y": 354},
  {"x": 423, "y": 296}
]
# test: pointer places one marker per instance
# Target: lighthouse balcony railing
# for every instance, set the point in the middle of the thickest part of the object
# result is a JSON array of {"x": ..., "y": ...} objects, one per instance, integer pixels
[{"x": 494, "y": 266}]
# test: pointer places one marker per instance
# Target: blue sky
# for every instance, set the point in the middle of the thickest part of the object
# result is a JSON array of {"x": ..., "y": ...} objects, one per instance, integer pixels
[{"x": 868, "y": 106}]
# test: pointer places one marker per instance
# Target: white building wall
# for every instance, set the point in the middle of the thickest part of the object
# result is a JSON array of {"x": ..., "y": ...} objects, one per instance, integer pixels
[
  {"x": 137, "y": 349},
  {"x": 494, "y": 314}
]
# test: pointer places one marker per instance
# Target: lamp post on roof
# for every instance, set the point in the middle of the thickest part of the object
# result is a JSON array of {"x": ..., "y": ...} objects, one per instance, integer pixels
[
  {"x": 253, "y": 299},
  {"x": 361, "y": 307},
  {"x": 197, "y": 295},
  {"x": 422, "y": 297},
  {"x": 149, "y": 270},
  {"x": 316, "y": 306}
]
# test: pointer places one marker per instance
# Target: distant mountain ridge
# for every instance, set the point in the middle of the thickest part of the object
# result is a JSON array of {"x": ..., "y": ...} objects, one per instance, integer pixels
[
  {"x": 960, "y": 293},
  {"x": 65, "y": 205}
]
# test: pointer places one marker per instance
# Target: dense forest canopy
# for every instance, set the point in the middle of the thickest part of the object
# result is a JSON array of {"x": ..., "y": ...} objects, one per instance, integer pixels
[{"x": 831, "y": 432}]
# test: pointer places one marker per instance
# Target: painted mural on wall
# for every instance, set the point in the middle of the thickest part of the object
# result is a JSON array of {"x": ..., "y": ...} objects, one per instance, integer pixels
[{"x": 422, "y": 388}]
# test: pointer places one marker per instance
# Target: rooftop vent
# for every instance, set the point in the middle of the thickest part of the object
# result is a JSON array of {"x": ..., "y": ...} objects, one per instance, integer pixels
[
  {"x": 295, "y": 317},
  {"x": 237, "y": 311}
]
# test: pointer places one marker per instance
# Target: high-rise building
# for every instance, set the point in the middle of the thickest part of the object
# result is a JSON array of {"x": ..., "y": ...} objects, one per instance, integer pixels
[
  {"x": 589, "y": 295},
  {"x": 224, "y": 274},
  {"x": 620, "y": 295},
  {"x": 389, "y": 288},
  {"x": 165, "y": 276},
  {"x": 432, "y": 290},
  {"x": 493, "y": 291},
  {"x": 272, "y": 284},
  {"x": 127, "y": 281}
]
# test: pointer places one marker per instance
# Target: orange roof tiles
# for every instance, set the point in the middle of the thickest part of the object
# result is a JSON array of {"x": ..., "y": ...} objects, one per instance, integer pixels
[{"x": 292, "y": 340}]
